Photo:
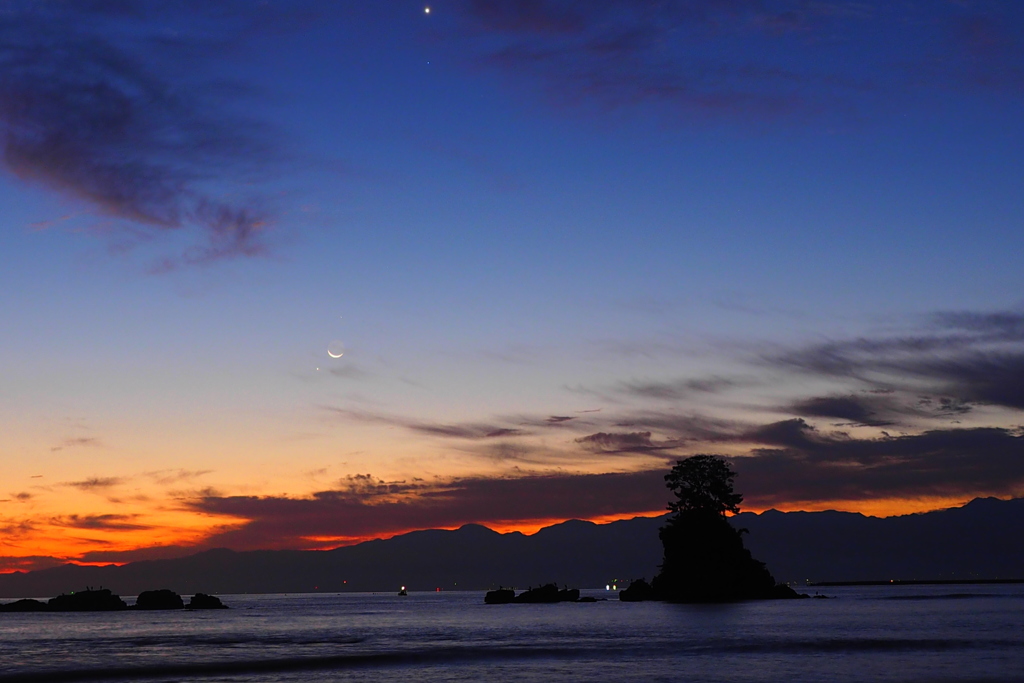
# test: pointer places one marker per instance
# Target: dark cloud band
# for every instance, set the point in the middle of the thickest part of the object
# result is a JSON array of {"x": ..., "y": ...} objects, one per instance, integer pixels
[{"x": 282, "y": 522}]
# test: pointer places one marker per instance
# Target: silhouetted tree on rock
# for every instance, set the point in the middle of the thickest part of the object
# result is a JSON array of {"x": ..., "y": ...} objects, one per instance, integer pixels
[{"x": 705, "y": 560}]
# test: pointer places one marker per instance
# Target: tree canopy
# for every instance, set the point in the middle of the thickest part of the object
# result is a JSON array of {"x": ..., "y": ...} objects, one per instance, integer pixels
[{"x": 703, "y": 483}]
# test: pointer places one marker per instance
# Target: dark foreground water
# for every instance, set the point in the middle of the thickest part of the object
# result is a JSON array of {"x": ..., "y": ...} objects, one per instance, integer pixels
[{"x": 933, "y": 633}]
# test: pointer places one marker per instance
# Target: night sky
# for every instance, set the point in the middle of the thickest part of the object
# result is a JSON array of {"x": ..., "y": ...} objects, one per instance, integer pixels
[{"x": 561, "y": 245}]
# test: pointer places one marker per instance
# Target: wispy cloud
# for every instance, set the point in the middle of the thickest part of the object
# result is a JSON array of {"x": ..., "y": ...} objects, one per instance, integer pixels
[
  {"x": 13, "y": 528},
  {"x": 96, "y": 483},
  {"x": 632, "y": 442},
  {"x": 746, "y": 58},
  {"x": 676, "y": 389},
  {"x": 176, "y": 476},
  {"x": 681, "y": 426},
  {"x": 624, "y": 52},
  {"x": 351, "y": 371},
  {"x": 473, "y": 431},
  {"x": 89, "y": 441},
  {"x": 960, "y": 358},
  {"x": 863, "y": 410},
  {"x": 47, "y": 224},
  {"x": 86, "y": 112},
  {"x": 100, "y": 522},
  {"x": 985, "y": 46}
]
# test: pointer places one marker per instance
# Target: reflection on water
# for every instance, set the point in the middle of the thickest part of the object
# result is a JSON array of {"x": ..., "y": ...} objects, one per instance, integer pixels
[{"x": 886, "y": 633}]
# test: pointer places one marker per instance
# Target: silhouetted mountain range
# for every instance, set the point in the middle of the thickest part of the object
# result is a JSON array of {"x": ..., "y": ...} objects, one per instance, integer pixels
[{"x": 983, "y": 539}]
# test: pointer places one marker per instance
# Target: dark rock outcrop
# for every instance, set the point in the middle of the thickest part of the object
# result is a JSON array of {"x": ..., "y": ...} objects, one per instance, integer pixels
[
  {"x": 204, "y": 601},
  {"x": 784, "y": 592},
  {"x": 705, "y": 561},
  {"x": 159, "y": 599},
  {"x": 569, "y": 595},
  {"x": 25, "y": 605},
  {"x": 548, "y": 593},
  {"x": 638, "y": 591},
  {"x": 502, "y": 596},
  {"x": 102, "y": 600},
  {"x": 542, "y": 594}
]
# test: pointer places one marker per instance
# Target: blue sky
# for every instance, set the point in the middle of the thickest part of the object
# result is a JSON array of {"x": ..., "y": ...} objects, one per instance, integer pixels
[{"x": 563, "y": 244}]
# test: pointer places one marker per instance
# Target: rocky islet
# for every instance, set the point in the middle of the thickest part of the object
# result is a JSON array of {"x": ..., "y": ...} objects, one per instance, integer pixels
[{"x": 105, "y": 600}]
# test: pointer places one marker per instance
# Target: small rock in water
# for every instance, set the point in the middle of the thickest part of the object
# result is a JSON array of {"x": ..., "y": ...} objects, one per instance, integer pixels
[
  {"x": 204, "y": 601},
  {"x": 25, "y": 605},
  {"x": 638, "y": 591},
  {"x": 159, "y": 599}
]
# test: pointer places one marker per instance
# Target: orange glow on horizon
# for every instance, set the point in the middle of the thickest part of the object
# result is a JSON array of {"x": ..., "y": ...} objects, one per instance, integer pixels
[
  {"x": 49, "y": 542},
  {"x": 881, "y": 507},
  {"x": 526, "y": 527},
  {"x": 532, "y": 526},
  {"x": 50, "y": 545}
]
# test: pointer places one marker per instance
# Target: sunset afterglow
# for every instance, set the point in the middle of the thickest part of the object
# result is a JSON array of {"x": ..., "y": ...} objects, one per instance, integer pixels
[{"x": 295, "y": 276}]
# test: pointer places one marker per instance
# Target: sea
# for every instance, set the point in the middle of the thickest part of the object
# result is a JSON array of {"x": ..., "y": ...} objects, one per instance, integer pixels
[{"x": 873, "y": 633}]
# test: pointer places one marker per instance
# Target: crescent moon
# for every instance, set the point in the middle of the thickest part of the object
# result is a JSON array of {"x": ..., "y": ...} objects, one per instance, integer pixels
[{"x": 333, "y": 356}]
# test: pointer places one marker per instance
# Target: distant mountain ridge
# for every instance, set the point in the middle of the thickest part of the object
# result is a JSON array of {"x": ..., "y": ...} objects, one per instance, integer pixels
[{"x": 983, "y": 539}]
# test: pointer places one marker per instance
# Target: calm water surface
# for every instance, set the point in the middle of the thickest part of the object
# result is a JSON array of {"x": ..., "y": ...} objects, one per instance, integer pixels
[{"x": 934, "y": 633}]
